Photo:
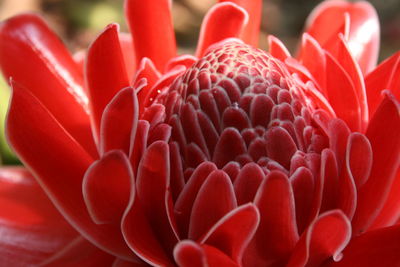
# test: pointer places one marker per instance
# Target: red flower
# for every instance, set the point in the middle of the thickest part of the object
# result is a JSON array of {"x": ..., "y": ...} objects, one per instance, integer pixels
[{"x": 235, "y": 157}]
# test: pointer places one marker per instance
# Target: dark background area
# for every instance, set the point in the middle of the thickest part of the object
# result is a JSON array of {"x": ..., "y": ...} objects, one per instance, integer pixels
[{"x": 79, "y": 21}]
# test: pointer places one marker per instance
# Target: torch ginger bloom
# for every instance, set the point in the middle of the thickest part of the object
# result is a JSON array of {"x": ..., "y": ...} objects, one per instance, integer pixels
[{"x": 232, "y": 157}]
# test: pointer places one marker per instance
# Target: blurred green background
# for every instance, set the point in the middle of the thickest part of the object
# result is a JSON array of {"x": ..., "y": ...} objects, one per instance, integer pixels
[{"x": 77, "y": 22}]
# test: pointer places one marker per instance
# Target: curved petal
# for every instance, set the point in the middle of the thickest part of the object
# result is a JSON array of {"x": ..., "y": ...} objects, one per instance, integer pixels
[
  {"x": 359, "y": 158},
  {"x": 105, "y": 72},
  {"x": 383, "y": 132},
  {"x": 212, "y": 31},
  {"x": 190, "y": 254},
  {"x": 313, "y": 58},
  {"x": 128, "y": 52},
  {"x": 31, "y": 228},
  {"x": 28, "y": 37},
  {"x": 148, "y": 71},
  {"x": 247, "y": 182},
  {"x": 348, "y": 63},
  {"x": 225, "y": 236},
  {"x": 363, "y": 33},
  {"x": 252, "y": 29},
  {"x": 152, "y": 30},
  {"x": 79, "y": 252},
  {"x": 277, "y": 49},
  {"x": 184, "y": 203},
  {"x": 106, "y": 187},
  {"x": 341, "y": 94},
  {"x": 213, "y": 201},
  {"x": 385, "y": 76},
  {"x": 185, "y": 60},
  {"x": 277, "y": 233},
  {"x": 376, "y": 248},
  {"x": 326, "y": 237},
  {"x": 119, "y": 122},
  {"x": 390, "y": 213},
  {"x": 59, "y": 164},
  {"x": 147, "y": 224}
]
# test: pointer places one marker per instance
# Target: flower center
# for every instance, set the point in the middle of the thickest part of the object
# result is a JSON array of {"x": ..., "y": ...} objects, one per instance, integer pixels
[{"x": 238, "y": 105}]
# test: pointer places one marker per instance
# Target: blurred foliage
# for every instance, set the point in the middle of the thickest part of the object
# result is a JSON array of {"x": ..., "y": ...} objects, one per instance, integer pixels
[{"x": 6, "y": 156}]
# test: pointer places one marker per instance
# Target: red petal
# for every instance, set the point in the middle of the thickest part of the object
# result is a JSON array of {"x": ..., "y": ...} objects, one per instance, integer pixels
[
  {"x": 383, "y": 132},
  {"x": 59, "y": 164},
  {"x": 385, "y": 76},
  {"x": 212, "y": 31},
  {"x": 342, "y": 95},
  {"x": 119, "y": 122},
  {"x": 338, "y": 136},
  {"x": 277, "y": 234},
  {"x": 140, "y": 237},
  {"x": 347, "y": 61},
  {"x": 326, "y": 237},
  {"x": 152, "y": 30},
  {"x": 376, "y": 248},
  {"x": 123, "y": 263},
  {"x": 161, "y": 85},
  {"x": 177, "y": 181},
  {"x": 313, "y": 58},
  {"x": 251, "y": 30},
  {"x": 26, "y": 38},
  {"x": 214, "y": 200},
  {"x": 330, "y": 178},
  {"x": 184, "y": 203},
  {"x": 189, "y": 254},
  {"x": 31, "y": 228},
  {"x": 139, "y": 145},
  {"x": 128, "y": 52},
  {"x": 185, "y": 60},
  {"x": 79, "y": 252},
  {"x": 359, "y": 158},
  {"x": 302, "y": 182},
  {"x": 148, "y": 71},
  {"x": 225, "y": 236},
  {"x": 229, "y": 146},
  {"x": 105, "y": 72},
  {"x": 152, "y": 186},
  {"x": 280, "y": 145},
  {"x": 248, "y": 182},
  {"x": 106, "y": 187},
  {"x": 391, "y": 211},
  {"x": 277, "y": 49},
  {"x": 363, "y": 32}
]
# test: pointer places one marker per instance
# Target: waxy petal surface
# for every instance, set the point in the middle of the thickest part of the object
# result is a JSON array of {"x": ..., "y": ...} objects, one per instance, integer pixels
[
  {"x": 363, "y": 28},
  {"x": 106, "y": 187},
  {"x": 376, "y": 248},
  {"x": 59, "y": 164},
  {"x": 234, "y": 231},
  {"x": 119, "y": 122},
  {"x": 152, "y": 30},
  {"x": 326, "y": 237},
  {"x": 383, "y": 132},
  {"x": 215, "y": 198},
  {"x": 384, "y": 77},
  {"x": 31, "y": 228},
  {"x": 277, "y": 234},
  {"x": 62, "y": 94},
  {"x": 105, "y": 72},
  {"x": 212, "y": 31},
  {"x": 251, "y": 30},
  {"x": 79, "y": 252}
]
